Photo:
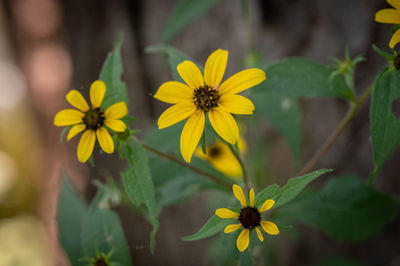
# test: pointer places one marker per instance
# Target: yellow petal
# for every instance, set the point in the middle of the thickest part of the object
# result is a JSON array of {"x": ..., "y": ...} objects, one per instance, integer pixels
[
  {"x": 116, "y": 111},
  {"x": 242, "y": 241},
  {"x": 236, "y": 104},
  {"x": 191, "y": 74},
  {"x": 225, "y": 213},
  {"x": 224, "y": 124},
  {"x": 251, "y": 196},
  {"x": 232, "y": 227},
  {"x": 105, "y": 140},
  {"x": 175, "y": 114},
  {"x": 68, "y": 117},
  {"x": 267, "y": 205},
  {"x": 238, "y": 192},
  {"x": 259, "y": 234},
  {"x": 269, "y": 227},
  {"x": 86, "y": 145},
  {"x": 395, "y": 39},
  {"x": 389, "y": 15},
  {"x": 242, "y": 81},
  {"x": 174, "y": 92},
  {"x": 75, "y": 130},
  {"x": 191, "y": 134},
  {"x": 394, "y": 3},
  {"x": 76, "y": 99},
  {"x": 115, "y": 124},
  {"x": 97, "y": 92},
  {"x": 225, "y": 161},
  {"x": 215, "y": 67}
]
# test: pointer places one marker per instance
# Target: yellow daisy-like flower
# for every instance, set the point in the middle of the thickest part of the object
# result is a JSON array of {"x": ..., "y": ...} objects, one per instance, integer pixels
[
  {"x": 390, "y": 16},
  {"x": 205, "y": 95},
  {"x": 93, "y": 120},
  {"x": 249, "y": 218},
  {"x": 222, "y": 158}
]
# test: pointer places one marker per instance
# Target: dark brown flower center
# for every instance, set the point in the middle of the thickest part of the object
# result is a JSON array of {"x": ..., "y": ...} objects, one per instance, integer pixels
[
  {"x": 396, "y": 62},
  {"x": 215, "y": 151},
  {"x": 100, "y": 262},
  {"x": 94, "y": 118},
  {"x": 249, "y": 217},
  {"x": 206, "y": 98}
]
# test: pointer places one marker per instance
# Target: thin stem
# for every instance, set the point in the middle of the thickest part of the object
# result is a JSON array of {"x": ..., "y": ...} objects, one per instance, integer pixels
[
  {"x": 336, "y": 133},
  {"x": 188, "y": 166},
  {"x": 245, "y": 176},
  {"x": 247, "y": 16}
]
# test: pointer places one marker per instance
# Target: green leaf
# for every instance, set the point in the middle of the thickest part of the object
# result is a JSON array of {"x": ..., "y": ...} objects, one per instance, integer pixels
[
  {"x": 283, "y": 195},
  {"x": 212, "y": 226},
  {"x": 111, "y": 74},
  {"x": 71, "y": 213},
  {"x": 282, "y": 112},
  {"x": 385, "y": 127},
  {"x": 138, "y": 183},
  {"x": 300, "y": 77},
  {"x": 175, "y": 57},
  {"x": 102, "y": 232},
  {"x": 346, "y": 209},
  {"x": 184, "y": 13}
]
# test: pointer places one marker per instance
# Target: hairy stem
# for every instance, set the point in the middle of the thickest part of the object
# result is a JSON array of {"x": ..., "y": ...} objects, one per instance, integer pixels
[
  {"x": 188, "y": 166},
  {"x": 245, "y": 176},
  {"x": 336, "y": 133}
]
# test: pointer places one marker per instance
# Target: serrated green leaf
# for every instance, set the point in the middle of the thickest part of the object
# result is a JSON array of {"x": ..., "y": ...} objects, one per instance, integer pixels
[
  {"x": 288, "y": 192},
  {"x": 138, "y": 183},
  {"x": 385, "y": 127},
  {"x": 210, "y": 228},
  {"x": 111, "y": 74},
  {"x": 346, "y": 209},
  {"x": 300, "y": 77},
  {"x": 71, "y": 213},
  {"x": 183, "y": 14},
  {"x": 284, "y": 113},
  {"x": 102, "y": 232}
]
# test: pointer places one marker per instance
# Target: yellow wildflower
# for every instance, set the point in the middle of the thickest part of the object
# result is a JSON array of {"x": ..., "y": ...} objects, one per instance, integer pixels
[
  {"x": 93, "y": 120},
  {"x": 391, "y": 16},
  {"x": 205, "y": 95},
  {"x": 220, "y": 156},
  {"x": 249, "y": 218}
]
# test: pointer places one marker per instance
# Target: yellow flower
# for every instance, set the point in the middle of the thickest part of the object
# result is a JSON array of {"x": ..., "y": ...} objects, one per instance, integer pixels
[
  {"x": 249, "y": 218},
  {"x": 391, "y": 16},
  {"x": 222, "y": 158},
  {"x": 200, "y": 96},
  {"x": 93, "y": 120}
]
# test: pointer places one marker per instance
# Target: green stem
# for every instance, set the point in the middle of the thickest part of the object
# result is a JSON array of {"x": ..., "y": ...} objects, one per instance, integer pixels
[
  {"x": 336, "y": 133},
  {"x": 238, "y": 157},
  {"x": 188, "y": 166},
  {"x": 247, "y": 16}
]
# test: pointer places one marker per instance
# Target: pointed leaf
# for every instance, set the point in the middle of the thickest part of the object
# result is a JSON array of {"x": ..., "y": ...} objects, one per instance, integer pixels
[{"x": 210, "y": 228}]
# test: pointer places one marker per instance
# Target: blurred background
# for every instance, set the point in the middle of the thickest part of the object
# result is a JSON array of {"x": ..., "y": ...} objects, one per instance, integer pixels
[{"x": 48, "y": 47}]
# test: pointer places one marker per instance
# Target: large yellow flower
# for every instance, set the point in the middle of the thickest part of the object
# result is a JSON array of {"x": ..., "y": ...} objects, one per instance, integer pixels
[
  {"x": 220, "y": 156},
  {"x": 391, "y": 16},
  {"x": 200, "y": 96},
  {"x": 249, "y": 218},
  {"x": 93, "y": 120}
]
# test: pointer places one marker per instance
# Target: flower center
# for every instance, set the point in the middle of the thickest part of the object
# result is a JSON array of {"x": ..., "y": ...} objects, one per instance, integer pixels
[
  {"x": 100, "y": 262},
  {"x": 215, "y": 152},
  {"x": 94, "y": 118},
  {"x": 249, "y": 217},
  {"x": 206, "y": 98}
]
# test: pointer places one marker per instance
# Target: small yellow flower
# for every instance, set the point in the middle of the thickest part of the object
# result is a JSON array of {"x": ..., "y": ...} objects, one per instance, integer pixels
[
  {"x": 249, "y": 218},
  {"x": 93, "y": 120},
  {"x": 201, "y": 96},
  {"x": 222, "y": 158},
  {"x": 391, "y": 16}
]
